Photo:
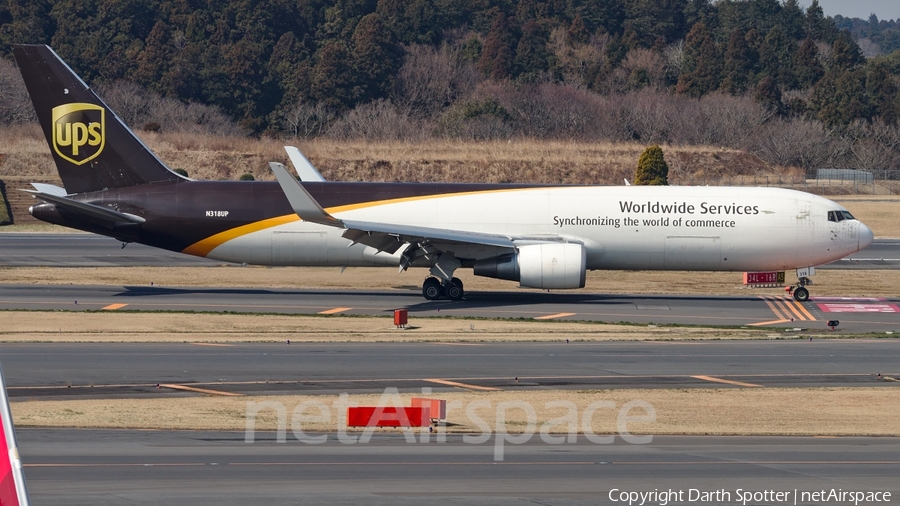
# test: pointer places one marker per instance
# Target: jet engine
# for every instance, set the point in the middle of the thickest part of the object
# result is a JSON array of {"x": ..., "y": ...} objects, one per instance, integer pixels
[{"x": 544, "y": 265}]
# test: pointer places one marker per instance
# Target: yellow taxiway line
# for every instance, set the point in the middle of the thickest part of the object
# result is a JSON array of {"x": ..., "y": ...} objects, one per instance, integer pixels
[
  {"x": 728, "y": 382},
  {"x": 199, "y": 390},
  {"x": 460, "y": 385},
  {"x": 552, "y": 316},
  {"x": 336, "y": 310}
]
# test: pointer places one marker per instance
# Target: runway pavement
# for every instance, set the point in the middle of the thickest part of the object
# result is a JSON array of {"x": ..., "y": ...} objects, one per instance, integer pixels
[
  {"x": 91, "y": 250},
  {"x": 55, "y": 370},
  {"x": 857, "y": 315},
  {"x": 103, "y": 467}
]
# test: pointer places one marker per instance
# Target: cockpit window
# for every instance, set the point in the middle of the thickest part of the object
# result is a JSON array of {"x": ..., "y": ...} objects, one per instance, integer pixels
[{"x": 839, "y": 216}]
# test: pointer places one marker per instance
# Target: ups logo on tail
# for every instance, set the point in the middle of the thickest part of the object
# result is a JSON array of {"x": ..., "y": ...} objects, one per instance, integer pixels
[{"x": 78, "y": 132}]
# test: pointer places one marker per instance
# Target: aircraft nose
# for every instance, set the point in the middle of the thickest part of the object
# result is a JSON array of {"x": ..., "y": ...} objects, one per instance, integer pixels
[{"x": 865, "y": 236}]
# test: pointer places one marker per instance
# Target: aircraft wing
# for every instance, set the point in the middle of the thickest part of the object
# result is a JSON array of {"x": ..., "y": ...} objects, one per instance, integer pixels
[
  {"x": 382, "y": 236},
  {"x": 104, "y": 214}
]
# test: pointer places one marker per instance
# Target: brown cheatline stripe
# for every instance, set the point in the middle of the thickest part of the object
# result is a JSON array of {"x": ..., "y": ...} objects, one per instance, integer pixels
[
  {"x": 199, "y": 390},
  {"x": 112, "y": 307},
  {"x": 729, "y": 382},
  {"x": 552, "y": 316},
  {"x": 460, "y": 385},
  {"x": 335, "y": 310}
]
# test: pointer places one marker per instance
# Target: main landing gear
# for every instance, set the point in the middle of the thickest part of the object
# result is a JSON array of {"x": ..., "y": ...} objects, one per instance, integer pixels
[{"x": 434, "y": 289}]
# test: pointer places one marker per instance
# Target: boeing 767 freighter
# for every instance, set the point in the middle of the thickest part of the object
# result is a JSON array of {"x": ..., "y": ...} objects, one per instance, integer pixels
[{"x": 541, "y": 236}]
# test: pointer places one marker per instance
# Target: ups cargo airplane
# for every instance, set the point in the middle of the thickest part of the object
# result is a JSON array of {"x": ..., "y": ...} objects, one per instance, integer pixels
[{"x": 542, "y": 236}]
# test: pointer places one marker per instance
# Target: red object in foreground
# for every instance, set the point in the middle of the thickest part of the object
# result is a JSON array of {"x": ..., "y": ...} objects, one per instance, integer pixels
[
  {"x": 401, "y": 317},
  {"x": 438, "y": 407},
  {"x": 388, "y": 416}
]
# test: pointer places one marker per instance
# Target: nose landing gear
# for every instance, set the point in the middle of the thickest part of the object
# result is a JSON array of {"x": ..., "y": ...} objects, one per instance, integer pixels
[{"x": 801, "y": 293}]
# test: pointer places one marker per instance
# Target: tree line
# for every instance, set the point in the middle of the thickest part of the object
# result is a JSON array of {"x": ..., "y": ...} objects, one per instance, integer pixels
[{"x": 646, "y": 70}]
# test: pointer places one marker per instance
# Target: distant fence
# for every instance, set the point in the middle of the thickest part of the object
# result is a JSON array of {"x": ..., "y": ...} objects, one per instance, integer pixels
[{"x": 842, "y": 182}]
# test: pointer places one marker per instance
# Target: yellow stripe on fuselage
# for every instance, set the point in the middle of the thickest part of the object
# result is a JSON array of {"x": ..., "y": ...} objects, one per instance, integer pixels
[{"x": 204, "y": 247}]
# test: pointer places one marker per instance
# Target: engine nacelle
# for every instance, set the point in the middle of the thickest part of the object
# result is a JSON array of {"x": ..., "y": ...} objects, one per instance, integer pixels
[{"x": 549, "y": 265}]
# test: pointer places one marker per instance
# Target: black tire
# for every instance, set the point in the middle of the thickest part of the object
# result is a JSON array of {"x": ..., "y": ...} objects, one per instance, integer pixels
[
  {"x": 431, "y": 289},
  {"x": 454, "y": 289},
  {"x": 801, "y": 294}
]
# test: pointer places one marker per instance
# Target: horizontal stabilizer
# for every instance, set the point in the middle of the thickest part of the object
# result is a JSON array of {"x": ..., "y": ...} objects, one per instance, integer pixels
[
  {"x": 304, "y": 168},
  {"x": 50, "y": 189},
  {"x": 94, "y": 211}
]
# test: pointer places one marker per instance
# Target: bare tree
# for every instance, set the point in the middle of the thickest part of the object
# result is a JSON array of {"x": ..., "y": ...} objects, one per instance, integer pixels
[
  {"x": 576, "y": 61},
  {"x": 871, "y": 155},
  {"x": 132, "y": 102},
  {"x": 868, "y": 47},
  {"x": 305, "y": 120},
  {"x": 802, "y": 143},
  {"x": 732, "y": 118},
  {"x": 15, "y": 106},
  {"x": 141, "y": 108},
  {"x": 378, "y": 120},
  {"x": 675, "y": 60},
  {"x": 433, "y": 78}
]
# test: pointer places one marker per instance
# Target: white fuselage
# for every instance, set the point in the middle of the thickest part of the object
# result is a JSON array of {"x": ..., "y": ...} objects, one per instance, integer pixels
[{"x": 622, "y": 227}]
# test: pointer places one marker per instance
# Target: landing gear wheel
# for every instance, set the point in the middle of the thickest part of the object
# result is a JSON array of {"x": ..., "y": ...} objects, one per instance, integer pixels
[
  {"x": 431, "y": 289},
  {"x": 801, "y": 294},
  {"x": 454, "y": 289}
]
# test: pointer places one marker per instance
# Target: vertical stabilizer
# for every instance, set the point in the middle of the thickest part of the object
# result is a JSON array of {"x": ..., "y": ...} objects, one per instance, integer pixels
[
  {"x": 93, "y": 149},
  {"x": 12, "y": 480}
]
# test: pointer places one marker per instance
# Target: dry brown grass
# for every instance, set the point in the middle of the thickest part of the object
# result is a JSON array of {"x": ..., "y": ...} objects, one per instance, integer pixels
[
  {"x": 211, "y": 157},
  {"x": 866, "y": 411},
  {"x": 828, "y": 282}
]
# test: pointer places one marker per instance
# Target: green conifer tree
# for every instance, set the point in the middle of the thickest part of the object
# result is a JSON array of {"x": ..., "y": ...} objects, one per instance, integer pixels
[
  {"x": 496, "y": 61},
  {"x": 807, "y": 67},
  {"x": 703, "y": 63},
  {"x": 652, "y": 168}
]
